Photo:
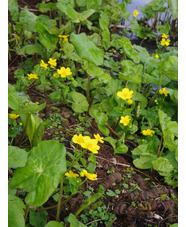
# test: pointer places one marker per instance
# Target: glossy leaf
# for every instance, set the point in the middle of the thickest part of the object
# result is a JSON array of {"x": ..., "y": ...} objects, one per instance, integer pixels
[
  {"x": 80, "y": 103},
  {"x": 30, "y": 108},
  {"x": 46, "y": 38},
  {"x": 74, "y": 222},
  {"x": 38, "y": 218},
  {"x": 40, "y": 177},
  {"x": 163, "y": 166},
  {"x": 145, "y": 161},
  {"x": 87, "y": 49},
  {"x": 54, "y": 224},
  {"x": 16, "y": 157},
  {"x": 173, "y": 5},
  {"x": 121, "y": 148},
  {"x": 28, "y": 19},
  {"x": 31, "y": 49},
  {"x": 15, "y": 212}
]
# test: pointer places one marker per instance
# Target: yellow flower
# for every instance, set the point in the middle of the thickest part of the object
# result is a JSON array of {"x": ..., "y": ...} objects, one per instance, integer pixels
[
  {"x": 156, "y": 56},
  {"x": 56, "y": 75},
  {"x": 90, "y": 176},
  {"x": 43, "y": 64},
  {"x": 52, "y": 62},
  {"x": 135, "y": 13},
  {"x": 22, "y": 77},
  {"x": 90, "y": 144},
  {"x": 164, "y": 36},
  {"x": 71, "y": 174},
  {"x": 125, "y": 120},
  {"x": 20, "y": 123},
  {"x": 98, "y": 138},
  {"x": 14, "y": 116},
  {"x": 64, "y": 72},
  {"x": 125, "y": 94},
  {"x": 165, "y": 42},
  {"x": 32, "y": 76},
  {"x": 148, "y": 132},
  {"x": 130, "y": 101},
  {"x": 64, "y": 37},
  {"x": 78, "y": 139},
  {"x": 37, "y": 103},
  {"x": 163, "y": 91},
  {"x": 156, "y": 101}
]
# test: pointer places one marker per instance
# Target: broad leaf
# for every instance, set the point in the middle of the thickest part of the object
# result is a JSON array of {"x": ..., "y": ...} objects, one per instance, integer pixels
[
  {"x": 145, "y": 161},
  {"x": 173, "y": 5},
  {"x": 40, "y": 177},
  {"x": 38, "y": 218},
  {"x": 14, "y": 9},
  {"x": 54, "y": 224},
  {"x": 74, "y": 222},
  {"x": 163, "y": 166},
  {"x": 87, "y": 49},
  {"x": 16, "y": 157},
  {"x": 80, "y": 104},
  {"x": 28, "y": 19},
  {"x": 46, "y": 38},
  {"x": 15, "y": 212},
  {"x": 30, "y": 108},
  {"x": 31, "y": 49}
]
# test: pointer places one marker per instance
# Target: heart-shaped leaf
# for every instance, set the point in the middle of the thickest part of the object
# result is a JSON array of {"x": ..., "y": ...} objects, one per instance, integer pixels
[
  {"x": 80, "y": 103},
  {"x": 16, "y": 157},
  {"x": 40, "y": 177}
]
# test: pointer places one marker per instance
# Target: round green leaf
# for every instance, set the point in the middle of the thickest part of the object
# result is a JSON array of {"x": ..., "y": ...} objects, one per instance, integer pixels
[
  {"x": 54, "y": 224},
  {"x": 40, "y": 177},
  {"x": 80, "y": 104}
]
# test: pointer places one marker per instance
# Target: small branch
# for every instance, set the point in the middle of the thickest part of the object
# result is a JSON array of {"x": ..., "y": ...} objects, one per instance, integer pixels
[
  {"x": 108, "y": 126},
  {"x": 94, "y": 221}
]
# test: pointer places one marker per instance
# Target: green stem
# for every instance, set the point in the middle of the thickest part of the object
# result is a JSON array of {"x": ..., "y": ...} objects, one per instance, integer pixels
[
  {"x": 110, "y": 224},
  {"x": 60, "y": 20},
  {"x": 152, "y": 100},
  {"x": 59, "y": 200},
  {"x": 161, "y": 151},
  {"x": 26, "y": 212},
  {"x": 150, "y": 91},
  {"x": 88, "y": 89},
  {"x": 79, "y": 28},
  {"x": 24, "y": 131}
]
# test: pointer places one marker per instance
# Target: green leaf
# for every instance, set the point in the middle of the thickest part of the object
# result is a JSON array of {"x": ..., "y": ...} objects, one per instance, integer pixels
[
  {"x": 15, "y": 212},
  {"x": 173, "y": 5},
  {"x": 38, "y": 134},
  {"x": 56, "y": 95},
  {"x": 14, "y": 9},
  {"x": 110, "y": 193},
  {"x": 46, "y": 38},
  {"x": 54, "y": 224},
  {"x": 174, "y": 225},
  {"x": 44, "y": 8},
  {"x": 16, "y": 157},
  {"x": 145, "y": 161},
  {"x": 87, "y": 49},
  {"x": 141, "y": 98},
  {"x": 163, "y": 166},
  {"x": 31, "y": 49},
  {"x": 81, "y": 2},
  {"x": 28, "y": 19},
  {"x": 38, "y": 218},
  {"x": 30, "y": 108},
  {"x": 74, "y": 222},
  {"x": 40, "y": 177},
  {"x": 111, "y": 141},
  {"x": 121, "y": 148},
  {"x": 80, "y": 103}
]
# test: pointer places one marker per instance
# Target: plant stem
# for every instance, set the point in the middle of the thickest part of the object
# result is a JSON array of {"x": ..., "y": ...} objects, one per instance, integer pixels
[
  {"x": 110, "y": 224},
  {"x": 60, "y": 20},
  {"x": 152, "y": 100},
  {"x": 26, "y": 212},
  {"x": 161, "y": 151},
  {"x": 158, "y": 152},
  {"x": 59, "y": 201},
  {"x": 88, "y": 89},
  {"x": 24, "y": 131},
  {"x": 79, "y": 28}
]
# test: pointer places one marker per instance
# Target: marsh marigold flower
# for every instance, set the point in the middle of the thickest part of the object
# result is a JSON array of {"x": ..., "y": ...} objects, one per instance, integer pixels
[
  {"x": 52, "y": 62},
  {"x": 43, "y": 64},
  {"x": 14, "y": 116},
  {"x": 32, "y": 76},
  {"x": 125, "y": 120},
  {"x": 64, "y": 72},
  {"x": 90, "y": 144},
  {"x": 135, "y": 13},
  {"x": 130, "y": 101},
  {"x": 156, "y": 56},
  {"x": 164, "y": 36},
  {"x": 125, "y": 94},
  {"x": 71, "y": 174},
  {"x": 165, "y": 42},
  {"x": 98, "y": 138},
  {"x": 163, "y": 91},
  {"x": 64, "y": 37},
  {"x": 90, "y": 176},
  {"x": 56, "y": 75},
  {"x": 78, "y": 139},
  {"x": 148, "y": 132}
]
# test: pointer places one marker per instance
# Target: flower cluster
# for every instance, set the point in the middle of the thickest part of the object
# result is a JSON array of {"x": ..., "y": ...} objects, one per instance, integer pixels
[
  {"x": 148, "y": 132},
  {"x": 125, "y": 120},
  {"x": 87, "y": 143},
  {"x": 32, "y": 76},
  {"x": 135, "y": 13},
  {"x": 14, "y": 116},
  {"x": 165, "y": 41},
  {"x": 90, "y": 176},
  {"x": 43, "y": 64},
  {"x": 64, "y": 37},
  {"x": 163, "y": 91},
  {"x": 125, "y": 94}
]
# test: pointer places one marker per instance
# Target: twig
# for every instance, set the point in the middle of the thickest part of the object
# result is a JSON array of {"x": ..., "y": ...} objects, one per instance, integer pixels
[
  {"x": 108, "y": 126},
  {"x": 120, "y": 164},
  {"x": 94, "y": 221}
]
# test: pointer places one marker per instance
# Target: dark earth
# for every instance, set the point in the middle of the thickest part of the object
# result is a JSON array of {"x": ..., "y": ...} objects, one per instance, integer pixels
[{"x": 146, "y": 201}]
